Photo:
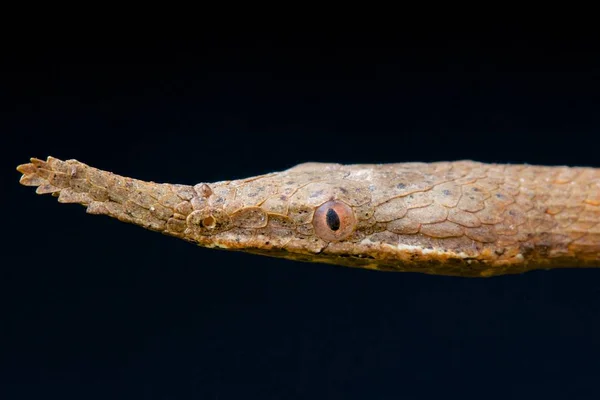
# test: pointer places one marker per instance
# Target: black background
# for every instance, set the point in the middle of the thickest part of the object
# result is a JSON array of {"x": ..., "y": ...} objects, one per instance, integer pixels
[{"x": 93, "y": 308}]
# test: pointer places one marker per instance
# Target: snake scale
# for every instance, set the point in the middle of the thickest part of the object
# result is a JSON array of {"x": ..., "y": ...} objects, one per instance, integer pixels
[{"x": 459, "y": 218}]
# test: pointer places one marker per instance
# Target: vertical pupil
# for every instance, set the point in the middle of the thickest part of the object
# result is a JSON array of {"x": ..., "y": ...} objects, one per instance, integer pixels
[{"x": 333, "y": 220}]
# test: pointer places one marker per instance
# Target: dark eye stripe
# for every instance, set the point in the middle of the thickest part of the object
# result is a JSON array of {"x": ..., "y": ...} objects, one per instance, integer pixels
[{"x": 333, "y": 219}]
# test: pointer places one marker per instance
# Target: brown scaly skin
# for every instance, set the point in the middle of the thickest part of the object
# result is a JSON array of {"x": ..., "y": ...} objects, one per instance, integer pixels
[{"x": 459, "y": 218}]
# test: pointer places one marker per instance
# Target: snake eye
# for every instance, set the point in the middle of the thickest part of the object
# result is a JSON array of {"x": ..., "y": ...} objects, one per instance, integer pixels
[{"x": 334, "y": 220}]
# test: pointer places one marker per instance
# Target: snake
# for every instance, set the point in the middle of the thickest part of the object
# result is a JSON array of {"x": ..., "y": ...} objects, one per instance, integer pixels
[{"x": 454, "y": 218}]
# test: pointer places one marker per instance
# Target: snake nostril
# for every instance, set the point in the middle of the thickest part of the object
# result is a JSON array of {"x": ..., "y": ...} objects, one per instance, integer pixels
[{"x": 209, "y": 222}]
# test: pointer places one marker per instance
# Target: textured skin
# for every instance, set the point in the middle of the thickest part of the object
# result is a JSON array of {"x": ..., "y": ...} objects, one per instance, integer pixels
[{"x": 460, "y": 218}]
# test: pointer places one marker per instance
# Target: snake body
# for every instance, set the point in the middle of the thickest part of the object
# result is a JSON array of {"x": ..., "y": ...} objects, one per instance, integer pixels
[{"x": 460, "y": 218}]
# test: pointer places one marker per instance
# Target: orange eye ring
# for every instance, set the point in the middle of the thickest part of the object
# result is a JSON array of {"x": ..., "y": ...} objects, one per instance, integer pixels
[{"x": 334, "y": 220}]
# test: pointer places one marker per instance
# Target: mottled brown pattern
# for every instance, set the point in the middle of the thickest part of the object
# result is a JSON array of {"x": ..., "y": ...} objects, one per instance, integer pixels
[{"x": 459, "y": 218}]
